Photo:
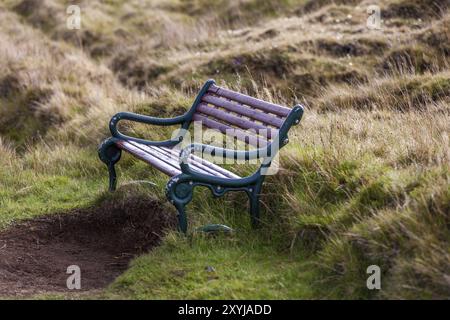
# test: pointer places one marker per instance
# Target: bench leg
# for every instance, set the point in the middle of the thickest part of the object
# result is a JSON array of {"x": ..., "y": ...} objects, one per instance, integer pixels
[
  {"x": 182, "y": 219},
  {"x": 253, "y": 194},
  {"x": 112, "y": 177},
  {"x": 180, "y": 194},
  {"x": 110, "y": 154},
  {"x": 254, "y": 211}
]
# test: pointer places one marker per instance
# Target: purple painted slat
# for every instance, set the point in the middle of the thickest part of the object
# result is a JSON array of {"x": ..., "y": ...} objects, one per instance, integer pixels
[
  {"x": 250, "y": 101},
  {"x": 198, "y": 162},
  {"x": 194, "y": 164},
  {"x": 216, "y": 167},
  {"x": 243, "y": 110},
  {"x": 235, "y": 120},
  {"x": 169, "y": 164},
  {"x": 166, "y": 157},
  {"x": 211, "y": 165},
  {"x": 246, "y": 137},
  {"x": 157, "y": 163}
]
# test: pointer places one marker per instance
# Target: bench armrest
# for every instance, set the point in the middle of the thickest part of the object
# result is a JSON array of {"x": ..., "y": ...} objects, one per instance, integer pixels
[
  {"x": 147, "y": 120},
  {"x": 221, "y": 152}
]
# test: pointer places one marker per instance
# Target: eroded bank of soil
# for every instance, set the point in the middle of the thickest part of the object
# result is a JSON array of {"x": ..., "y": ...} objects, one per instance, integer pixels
[{"x": 35, "y": 254}]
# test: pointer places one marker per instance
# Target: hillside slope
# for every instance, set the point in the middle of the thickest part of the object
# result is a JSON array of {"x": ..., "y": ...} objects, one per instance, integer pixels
[{"x": 365, "y": 178}]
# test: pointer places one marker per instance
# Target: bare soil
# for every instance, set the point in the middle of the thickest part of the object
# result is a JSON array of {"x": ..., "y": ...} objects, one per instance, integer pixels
[{"x": 35, "y": 254}]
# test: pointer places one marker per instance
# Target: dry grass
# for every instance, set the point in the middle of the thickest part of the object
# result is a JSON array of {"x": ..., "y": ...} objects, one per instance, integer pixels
[{"x": 366, "y": 176}]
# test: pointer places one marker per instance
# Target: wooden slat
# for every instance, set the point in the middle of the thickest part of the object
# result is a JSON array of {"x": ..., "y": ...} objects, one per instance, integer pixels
[
  {"x": 235, "y": 120},
  {"x": 162, "y": 166},
  {"x": 171, "y": 157},
  {"x": 213, "y": 166},
  {"x": 196, "y": 166},
  {"x": 244, "y": 110},
  {"x": 239, "y": 134},
  {"x": 250, "y": 101},
  {"x": 168, "y": 158},
  {"x": 192, "y": 163}
]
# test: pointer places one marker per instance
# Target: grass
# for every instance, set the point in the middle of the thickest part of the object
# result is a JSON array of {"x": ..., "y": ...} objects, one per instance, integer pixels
[
  {"x": 39, "y": 187},
  {"x": 364, "y": 180},
  {"x": 226, "y": 267}
]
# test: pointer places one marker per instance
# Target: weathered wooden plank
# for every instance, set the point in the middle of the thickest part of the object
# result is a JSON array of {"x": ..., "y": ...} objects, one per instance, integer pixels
[
  {"x": 250, "y": 101},
  {"x": 244, "y": 110},
  {"x": 246, "y": 137},
  {"x": 168, "y": 158},
  {"x": 235, "y": 120},
  {"x": 206, "y": 163},
  {"x": 172, "y": 157},
  {"x": 195, "y": 165},
  {"x": 162, "y": 166},
  {"x": 192, "y": 163},
  {"x": 171, "y": 153}
]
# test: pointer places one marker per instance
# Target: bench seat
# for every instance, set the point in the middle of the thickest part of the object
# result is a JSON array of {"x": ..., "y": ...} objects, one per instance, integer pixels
[{"x": 166, "y": 160}]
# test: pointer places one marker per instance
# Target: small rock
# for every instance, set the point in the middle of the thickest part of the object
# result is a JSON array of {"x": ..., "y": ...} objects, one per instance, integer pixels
[{"x": 210, "y": 269}]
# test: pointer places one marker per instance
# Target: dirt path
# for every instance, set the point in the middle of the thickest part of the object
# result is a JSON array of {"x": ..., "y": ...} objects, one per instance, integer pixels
[{"x": 35, "y": 254}]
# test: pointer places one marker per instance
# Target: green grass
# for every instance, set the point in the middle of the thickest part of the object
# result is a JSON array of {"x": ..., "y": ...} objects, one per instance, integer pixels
[
  {"x": 365, "y": 178},
  {"x": 246, "y": 263},
  {"x": 336, "y": 218},
  {"x": 223, "y": 267},
  {"x": 48, "y": 195}
]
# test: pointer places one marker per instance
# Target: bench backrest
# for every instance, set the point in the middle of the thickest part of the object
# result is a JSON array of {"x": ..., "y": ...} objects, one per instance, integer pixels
[{"x": 248, "y": 119}]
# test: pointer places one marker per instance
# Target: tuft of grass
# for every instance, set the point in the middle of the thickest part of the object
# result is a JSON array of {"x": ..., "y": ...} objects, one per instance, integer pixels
[
  {"x": 410, "y": 59},
  {"x": 313, "y": 5},
  {"x": 416, "y": 9},
  {"x": 403, "y": 93},
  {"x": 438, "y": 36},
  {"x": 405, "y": 241}
]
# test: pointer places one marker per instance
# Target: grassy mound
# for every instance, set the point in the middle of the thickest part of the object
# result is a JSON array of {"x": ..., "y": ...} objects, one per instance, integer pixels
[
  {"x": 416, "y": 9},
  {"x": 364, "y": 180}
]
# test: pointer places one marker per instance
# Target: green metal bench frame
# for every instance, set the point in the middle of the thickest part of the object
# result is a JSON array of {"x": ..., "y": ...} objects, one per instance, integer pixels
[{"x": 218, "y": 108}]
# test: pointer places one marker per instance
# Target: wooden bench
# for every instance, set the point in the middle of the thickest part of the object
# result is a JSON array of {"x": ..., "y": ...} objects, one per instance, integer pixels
[{"x": 261, "y": 125}]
